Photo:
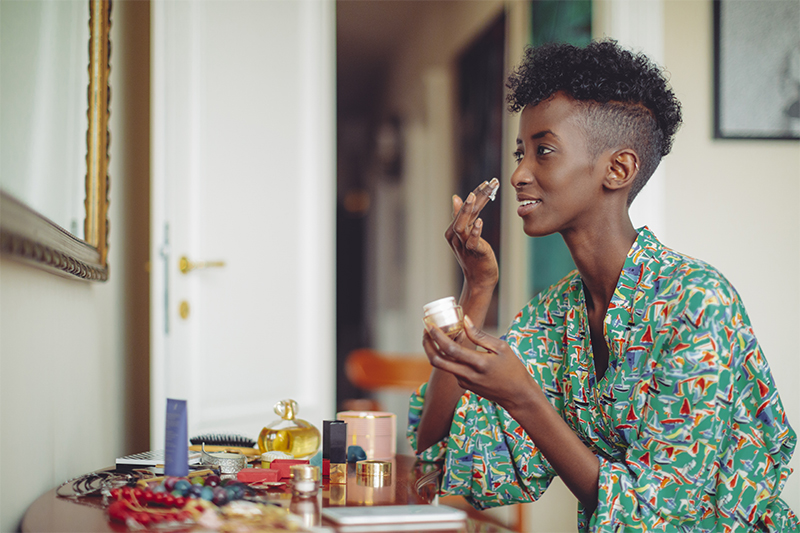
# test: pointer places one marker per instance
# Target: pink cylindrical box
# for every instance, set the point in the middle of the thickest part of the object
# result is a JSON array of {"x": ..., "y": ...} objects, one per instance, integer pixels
[{"x": 374, "y": 431}]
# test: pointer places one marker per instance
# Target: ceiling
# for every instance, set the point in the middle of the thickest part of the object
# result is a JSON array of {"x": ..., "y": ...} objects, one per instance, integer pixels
[{"x": 368, "y": 32}]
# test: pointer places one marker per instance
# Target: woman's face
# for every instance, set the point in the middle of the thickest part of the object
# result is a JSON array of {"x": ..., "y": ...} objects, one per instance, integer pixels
[{"x": 558, "y": 185}]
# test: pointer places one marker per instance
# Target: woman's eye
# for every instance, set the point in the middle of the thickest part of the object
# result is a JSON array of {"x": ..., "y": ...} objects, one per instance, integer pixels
[
  {"x": 518, "y": 156},
  {"x": 542, "y": 150}
]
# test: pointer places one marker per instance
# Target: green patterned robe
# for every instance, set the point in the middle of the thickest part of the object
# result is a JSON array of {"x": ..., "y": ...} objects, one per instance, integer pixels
[{"x": 686, "y": 422}]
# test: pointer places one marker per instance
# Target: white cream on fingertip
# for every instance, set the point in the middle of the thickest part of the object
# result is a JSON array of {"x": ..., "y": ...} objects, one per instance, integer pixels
[{"x": 495, "y": 185}]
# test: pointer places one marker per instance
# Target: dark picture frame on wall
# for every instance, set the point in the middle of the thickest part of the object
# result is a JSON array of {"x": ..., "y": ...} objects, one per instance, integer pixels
[{"x": 757, "y": 69}]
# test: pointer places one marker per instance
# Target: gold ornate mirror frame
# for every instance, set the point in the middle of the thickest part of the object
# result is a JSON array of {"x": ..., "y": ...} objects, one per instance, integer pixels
[{"x": 26, "y": 235}]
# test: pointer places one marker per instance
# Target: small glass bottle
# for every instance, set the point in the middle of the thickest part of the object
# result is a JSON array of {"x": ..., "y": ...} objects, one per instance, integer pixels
[
  {"x": 446, "y": 315},
  {"x": 289, "y": 434}
]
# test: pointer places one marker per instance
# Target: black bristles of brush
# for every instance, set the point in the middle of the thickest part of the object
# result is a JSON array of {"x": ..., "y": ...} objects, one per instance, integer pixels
[{"x": 223, "y": 439}]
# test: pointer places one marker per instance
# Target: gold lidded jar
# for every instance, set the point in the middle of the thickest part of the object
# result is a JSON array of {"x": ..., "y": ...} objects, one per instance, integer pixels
[
  {"x": 305, "y": 480},
  {"x": 446, "y": 315},
  {"x": 289, "y": 434}
]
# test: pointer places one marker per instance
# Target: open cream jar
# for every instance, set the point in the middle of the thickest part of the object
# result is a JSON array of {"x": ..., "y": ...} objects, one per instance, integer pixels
[{"x": 446, "y": 315}]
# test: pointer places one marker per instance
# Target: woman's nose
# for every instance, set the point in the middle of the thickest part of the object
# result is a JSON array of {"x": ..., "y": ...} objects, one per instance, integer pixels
[{"x": 521, "y": 176}]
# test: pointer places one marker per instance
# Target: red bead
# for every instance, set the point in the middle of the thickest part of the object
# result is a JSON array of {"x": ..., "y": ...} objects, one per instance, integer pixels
[
  {"x": 169, "y": 500},
  {"x": 212, "y": 481},
  {"x": 180, "y": 502},
  {"x": 118, "y": 511},
  {"x": 142, "y": 518}
]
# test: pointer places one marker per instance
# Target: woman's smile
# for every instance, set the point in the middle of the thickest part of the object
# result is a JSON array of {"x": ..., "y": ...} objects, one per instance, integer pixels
[{"x": 527, "y": 205}]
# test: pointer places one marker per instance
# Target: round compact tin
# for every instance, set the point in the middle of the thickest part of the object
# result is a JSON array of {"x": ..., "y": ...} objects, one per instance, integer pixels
[
  {"x": 228, "y": 463},
  {"x": 374, "y": 473}
]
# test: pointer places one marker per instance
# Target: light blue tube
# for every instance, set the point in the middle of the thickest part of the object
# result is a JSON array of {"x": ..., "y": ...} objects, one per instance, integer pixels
[{"x": 176, "y": 448}]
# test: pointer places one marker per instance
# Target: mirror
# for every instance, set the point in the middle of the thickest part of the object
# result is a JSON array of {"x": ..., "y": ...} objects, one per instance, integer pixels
[{"x": 53, "y": 202}]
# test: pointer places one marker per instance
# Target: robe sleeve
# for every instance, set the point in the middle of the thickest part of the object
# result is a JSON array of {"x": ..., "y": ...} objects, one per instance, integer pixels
[
  {"x": 713, "y": 438},
  {"x": 435, "y": 452},
  {"x": 487, "y": 457}
]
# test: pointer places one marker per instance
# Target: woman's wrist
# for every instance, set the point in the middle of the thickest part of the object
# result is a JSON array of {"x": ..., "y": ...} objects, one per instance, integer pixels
[
  {"x": 526, "y": 400},
  {"x": 476, "y": 294}
]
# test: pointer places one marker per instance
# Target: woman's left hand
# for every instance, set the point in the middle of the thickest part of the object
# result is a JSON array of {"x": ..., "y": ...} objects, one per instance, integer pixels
[{"x": 496, "y": 374}]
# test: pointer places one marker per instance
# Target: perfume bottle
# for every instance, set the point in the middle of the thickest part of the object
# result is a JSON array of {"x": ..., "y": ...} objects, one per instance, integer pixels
[
  {"x": 446, "y": 315},
  {"x": 289, "y": 434}
]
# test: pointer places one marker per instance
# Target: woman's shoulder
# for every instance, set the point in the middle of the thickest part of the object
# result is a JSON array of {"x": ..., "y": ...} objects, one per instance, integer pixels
[{"x": 694, "y": 281}]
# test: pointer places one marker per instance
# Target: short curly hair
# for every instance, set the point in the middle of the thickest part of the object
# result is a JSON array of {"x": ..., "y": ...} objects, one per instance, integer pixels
[{"x": 628, "y": 101}]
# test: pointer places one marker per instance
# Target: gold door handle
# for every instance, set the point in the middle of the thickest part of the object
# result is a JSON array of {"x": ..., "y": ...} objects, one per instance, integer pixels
[{"x": 187, "y": 266}]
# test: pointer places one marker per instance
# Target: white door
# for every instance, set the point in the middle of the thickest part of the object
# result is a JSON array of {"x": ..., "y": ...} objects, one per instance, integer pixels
[{"x": 243, "y": 167}]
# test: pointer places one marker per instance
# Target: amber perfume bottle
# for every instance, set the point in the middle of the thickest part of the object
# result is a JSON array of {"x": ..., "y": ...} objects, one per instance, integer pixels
[{"x": 289, "y": 434}]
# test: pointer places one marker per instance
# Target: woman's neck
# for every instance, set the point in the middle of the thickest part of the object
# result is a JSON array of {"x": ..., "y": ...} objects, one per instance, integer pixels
[{"x": 599, "y": 254}]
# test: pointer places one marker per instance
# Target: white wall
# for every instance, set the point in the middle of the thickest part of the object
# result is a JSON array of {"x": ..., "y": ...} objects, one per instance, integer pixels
[
  {"x": 74, "y": 355},
  {"x": 736, "y": 204}
]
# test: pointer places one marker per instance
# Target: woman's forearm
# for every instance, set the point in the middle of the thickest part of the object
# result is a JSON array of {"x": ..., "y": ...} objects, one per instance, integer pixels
[
  {"x": 575, "y": 463},
  {"x": 441, "y": 398},
  {"x": 443, "y": 392}
]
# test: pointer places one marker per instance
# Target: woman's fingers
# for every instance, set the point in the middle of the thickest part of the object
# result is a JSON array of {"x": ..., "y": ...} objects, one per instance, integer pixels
[
  {"x": 464, "y": 217},
  {"x": 474, "y": 239},
  {"x": 480, "y": 338},
  {"x": 471, "y": 208},
  {"x": 457, "y": 203},
  {"x": 440, "y": 357}
]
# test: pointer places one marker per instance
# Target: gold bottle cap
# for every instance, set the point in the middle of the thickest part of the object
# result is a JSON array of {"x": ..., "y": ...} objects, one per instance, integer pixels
[{"x": 374, "y": 468}]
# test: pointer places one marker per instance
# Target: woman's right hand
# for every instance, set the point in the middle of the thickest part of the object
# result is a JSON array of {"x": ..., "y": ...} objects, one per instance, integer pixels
[{"x": 474, "y": 254}]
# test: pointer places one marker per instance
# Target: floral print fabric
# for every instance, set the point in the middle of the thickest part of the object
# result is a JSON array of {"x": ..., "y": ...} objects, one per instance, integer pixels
[{"x": 686, "y": 422}]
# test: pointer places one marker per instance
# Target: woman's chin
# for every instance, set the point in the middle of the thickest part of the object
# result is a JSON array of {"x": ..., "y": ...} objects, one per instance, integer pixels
[{"x": 536, "y": 230}]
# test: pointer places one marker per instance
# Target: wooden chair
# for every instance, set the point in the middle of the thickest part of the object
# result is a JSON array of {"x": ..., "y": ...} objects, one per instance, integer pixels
[{"x": 372, "y": 370}]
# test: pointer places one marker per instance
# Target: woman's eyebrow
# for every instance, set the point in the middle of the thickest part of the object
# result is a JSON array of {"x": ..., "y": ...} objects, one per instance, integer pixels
[
  {"x": 544, "y": 133},
  {"x": 539, "y": 135}
]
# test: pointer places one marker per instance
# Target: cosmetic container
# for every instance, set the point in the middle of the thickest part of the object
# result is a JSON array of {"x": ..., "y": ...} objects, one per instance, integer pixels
[
  {"x": 336, "y": 448},
  {"x": 446, "y": 315},
  {"x": 374, "y": 473},
  {"x": 305, "y": 480}
]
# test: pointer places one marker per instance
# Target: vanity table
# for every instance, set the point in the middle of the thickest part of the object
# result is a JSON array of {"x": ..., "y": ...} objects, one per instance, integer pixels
[{"x": 412, "y": 483}]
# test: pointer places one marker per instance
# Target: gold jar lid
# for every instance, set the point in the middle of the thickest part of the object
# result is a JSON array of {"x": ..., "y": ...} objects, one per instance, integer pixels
[
  {"x": 305, "y": 472},
  {"x": 374, "y": 468}
]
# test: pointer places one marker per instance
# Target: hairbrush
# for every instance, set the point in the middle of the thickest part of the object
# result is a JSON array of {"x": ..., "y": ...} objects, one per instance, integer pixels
[{"x": 221, "y": 442}]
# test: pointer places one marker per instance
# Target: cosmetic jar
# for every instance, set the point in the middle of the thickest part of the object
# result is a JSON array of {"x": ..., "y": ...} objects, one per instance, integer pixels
[
  {"x": 446, "y": 315},
  {"x": 374, "y": 431},
  {"x": 305, "y": 480},
  {"x": 374, "y": 473}
]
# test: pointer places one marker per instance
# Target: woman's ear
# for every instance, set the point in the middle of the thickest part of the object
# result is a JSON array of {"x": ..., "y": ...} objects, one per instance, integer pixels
[{"x": 622, "y": 169}]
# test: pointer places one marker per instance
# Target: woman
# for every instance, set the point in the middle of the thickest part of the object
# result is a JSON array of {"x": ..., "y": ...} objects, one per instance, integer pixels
[{"x": 637, "y": 378}]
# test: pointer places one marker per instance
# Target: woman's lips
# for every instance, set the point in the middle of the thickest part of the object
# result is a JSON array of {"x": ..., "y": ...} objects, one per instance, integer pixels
[{"x": 527, "y": 206}]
